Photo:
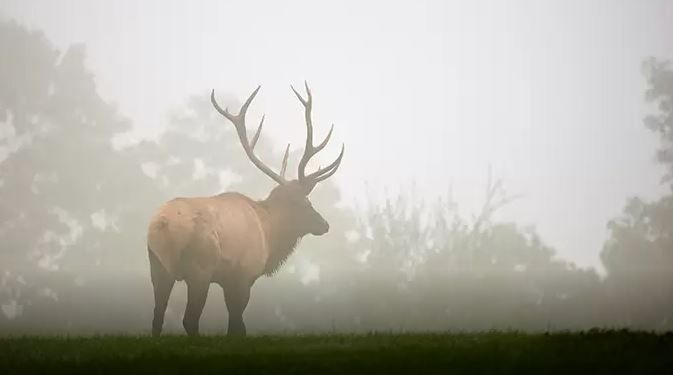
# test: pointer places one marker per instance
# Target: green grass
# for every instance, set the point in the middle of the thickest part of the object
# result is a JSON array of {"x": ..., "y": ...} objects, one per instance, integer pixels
[{"x": 606, "y": 352}]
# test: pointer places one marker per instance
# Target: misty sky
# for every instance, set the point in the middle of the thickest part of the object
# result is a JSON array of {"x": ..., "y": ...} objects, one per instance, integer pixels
[{"x": 549, "y": 93}]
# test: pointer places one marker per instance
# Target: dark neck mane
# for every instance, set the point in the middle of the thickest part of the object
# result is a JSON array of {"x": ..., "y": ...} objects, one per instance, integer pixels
[{"x": 282, "y": 240}]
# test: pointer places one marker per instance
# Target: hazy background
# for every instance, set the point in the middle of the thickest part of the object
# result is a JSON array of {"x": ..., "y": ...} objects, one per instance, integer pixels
[{"x": 426, "y": 95}]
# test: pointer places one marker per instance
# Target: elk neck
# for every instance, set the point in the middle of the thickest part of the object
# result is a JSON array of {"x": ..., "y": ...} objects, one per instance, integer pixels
[{"x": 281, "y": 236}]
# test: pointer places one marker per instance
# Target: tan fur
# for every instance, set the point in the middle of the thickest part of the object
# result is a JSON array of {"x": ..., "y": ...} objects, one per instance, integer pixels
[
  {"x": 228, "y": 239},
  {"x": 210, "y": 238}
]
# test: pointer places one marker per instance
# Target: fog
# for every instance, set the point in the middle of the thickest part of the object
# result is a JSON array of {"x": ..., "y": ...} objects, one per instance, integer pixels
[{"x": 105, "y": 115}]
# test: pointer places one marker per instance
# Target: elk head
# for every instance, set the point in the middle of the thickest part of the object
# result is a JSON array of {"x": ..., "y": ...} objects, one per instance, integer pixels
[{"x": 288, "y": 201}]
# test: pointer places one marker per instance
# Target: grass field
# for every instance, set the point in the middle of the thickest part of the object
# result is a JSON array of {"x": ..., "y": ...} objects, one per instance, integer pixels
[{"x": 608, "y": 352}]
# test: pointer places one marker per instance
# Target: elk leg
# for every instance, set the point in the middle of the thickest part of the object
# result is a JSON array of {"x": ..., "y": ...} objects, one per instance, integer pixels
[
  {"x": 163, "y": 283},
  {"x": 236, "y": 297},
  {"x": 197, "y": 292}
]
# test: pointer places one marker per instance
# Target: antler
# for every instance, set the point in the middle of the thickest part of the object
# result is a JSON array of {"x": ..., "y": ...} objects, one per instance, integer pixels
[
  {"x": 239, "y": 122},
  {"x": 309, "y": 150}
]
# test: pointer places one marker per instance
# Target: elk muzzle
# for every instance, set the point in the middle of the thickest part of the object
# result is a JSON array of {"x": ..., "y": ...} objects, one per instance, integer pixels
[{"x": 321, "y": 226}]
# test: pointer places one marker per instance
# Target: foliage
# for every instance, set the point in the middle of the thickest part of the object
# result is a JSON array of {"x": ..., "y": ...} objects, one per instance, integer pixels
[
  {"x": 659, "y": 75},
  {"x": 64, "y": 188},
  {"x": 639, "y": 253},
  {"x": 427, "y": 268}
]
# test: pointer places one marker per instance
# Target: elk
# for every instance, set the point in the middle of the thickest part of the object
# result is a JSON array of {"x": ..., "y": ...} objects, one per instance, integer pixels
[{"x": 230, "y": 239}]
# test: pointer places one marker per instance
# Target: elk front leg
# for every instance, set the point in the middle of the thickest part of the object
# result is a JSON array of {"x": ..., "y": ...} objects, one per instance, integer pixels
[{"x": 236, "y": 296}]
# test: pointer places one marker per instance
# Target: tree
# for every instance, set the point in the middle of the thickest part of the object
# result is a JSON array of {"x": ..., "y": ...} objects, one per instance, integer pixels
[
  {"x": 659, "y": 75},
  {"x": 422, "y": 266},
  {"x": 638, "y": 256},
  {"x": 64, "y": 192}
]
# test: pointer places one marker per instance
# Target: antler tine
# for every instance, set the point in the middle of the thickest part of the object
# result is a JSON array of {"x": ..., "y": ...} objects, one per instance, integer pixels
[
  {"x": 244, "y": 107},
  {"x": 239, "y": 123},
  {"x": 255, "y": 138},
  {"x": 309, "y": 149},
  {"x": 223, "y": 112},
  {"x": 283, "y": 168},
  {"x": 301, "y": 99},
  {"x": 324, "y": 173},
  {"x": 324, "y": 142}
]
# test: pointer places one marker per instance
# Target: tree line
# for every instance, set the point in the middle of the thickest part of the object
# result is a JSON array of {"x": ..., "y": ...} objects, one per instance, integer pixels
[{"x": 74, "y": 210}]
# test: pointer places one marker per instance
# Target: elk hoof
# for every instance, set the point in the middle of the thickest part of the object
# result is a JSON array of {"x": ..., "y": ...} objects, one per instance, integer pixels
[{"x": 191, "y": 329}]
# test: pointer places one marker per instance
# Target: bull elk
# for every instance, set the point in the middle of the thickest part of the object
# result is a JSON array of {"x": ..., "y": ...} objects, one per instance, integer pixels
[{"x": 231, "y": 239}]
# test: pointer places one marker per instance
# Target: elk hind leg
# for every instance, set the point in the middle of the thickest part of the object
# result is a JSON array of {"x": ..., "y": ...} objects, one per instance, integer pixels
[
  {"x": 197, "y": 292},
  {"x": 162, "y": 283}
]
